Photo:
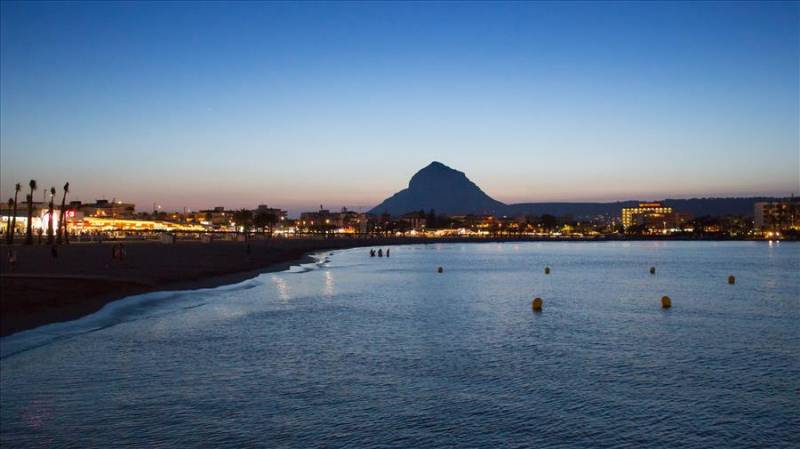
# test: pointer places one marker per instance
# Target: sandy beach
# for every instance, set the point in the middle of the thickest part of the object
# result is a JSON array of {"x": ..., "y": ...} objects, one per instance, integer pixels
[{"x": 84, "y": 277}]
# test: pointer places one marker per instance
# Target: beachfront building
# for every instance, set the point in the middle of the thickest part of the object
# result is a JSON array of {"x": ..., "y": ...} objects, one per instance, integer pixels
[
  {"x": 348, "y": 221},
  {"x": 323, "y": 220},
  {"x": 97, "y": 224},
  {"x": 217, "y": 218},
  {"x": 415, "y": 220},
  {"x": 279, "y": 215},
  {"x": 194, "y": 217},
  {"x": 40, "y": 217},
  {"x": 777, "y": 215},
  {"x": 21, "y": 220},
  {"x": 645, "y": 212},
  {"x": 318, "y": 221},
  {"x": 107, "y": 209},
  {"x": 653, "y": 218}
]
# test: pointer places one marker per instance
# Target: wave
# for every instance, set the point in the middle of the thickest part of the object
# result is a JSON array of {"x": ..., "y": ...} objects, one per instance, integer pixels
[{"x": 132, "y": 308}]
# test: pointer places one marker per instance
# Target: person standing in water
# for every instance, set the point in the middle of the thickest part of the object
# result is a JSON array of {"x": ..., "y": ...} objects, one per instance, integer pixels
[
  {"x": 387, "y": 252},
  {"x": 380, "y": 252}
]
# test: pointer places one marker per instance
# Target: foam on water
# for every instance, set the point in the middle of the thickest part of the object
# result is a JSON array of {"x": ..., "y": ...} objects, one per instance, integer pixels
[{"x": 136, "y": 307}]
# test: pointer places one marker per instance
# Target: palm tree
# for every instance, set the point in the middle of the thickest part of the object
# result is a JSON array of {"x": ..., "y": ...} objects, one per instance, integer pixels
[
  {"x": 8, "y": 229},
  {"x": 50, "y": 216},
  {"x": 61, "y": 222},
  {"x": 13, "y": 228},
  {"x": 29, "y": 231}
]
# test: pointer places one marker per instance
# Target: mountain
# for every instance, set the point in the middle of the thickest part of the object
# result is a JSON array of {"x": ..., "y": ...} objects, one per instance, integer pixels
[
  {"x": 443, "y": 189},
  {"x": 450, "y": 192}
]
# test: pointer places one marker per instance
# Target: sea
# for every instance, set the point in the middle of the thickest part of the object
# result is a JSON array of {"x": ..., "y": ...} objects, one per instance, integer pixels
[{"x": 387, "y": 352}]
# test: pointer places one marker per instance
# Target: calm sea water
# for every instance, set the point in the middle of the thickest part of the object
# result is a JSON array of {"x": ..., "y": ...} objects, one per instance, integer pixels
[{"x": 361, "y": 352}]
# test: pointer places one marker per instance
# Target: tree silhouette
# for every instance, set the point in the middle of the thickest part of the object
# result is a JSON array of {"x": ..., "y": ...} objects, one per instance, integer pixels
[
  {"x": 549, "y": 222},
  {"x": 29, "y": 230},
  {"x": 637, "y": 229},
  {"x": 50, "y": 237},
  {"x": 61, "y": 222},
  {"x": 264, "y": 220},
  {"x": 13, "y": 227},
  {"x": 430, "y": 220},
  {"x": 8, "y": 222},
  {"x": 244, "y": 219}
]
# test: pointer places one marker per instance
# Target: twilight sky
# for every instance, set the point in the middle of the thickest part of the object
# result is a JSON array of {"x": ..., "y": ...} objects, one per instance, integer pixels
[{"x": 296, "y": 105}]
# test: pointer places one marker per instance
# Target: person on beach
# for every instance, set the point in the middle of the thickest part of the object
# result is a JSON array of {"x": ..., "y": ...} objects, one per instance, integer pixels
[
  {"x": 380, "y": 252},
  {"x": 387, "y": 252},
  {"x": 12, "y": 260},
  {"x": 118, "y": 252},
  {"x": 372, "y": 253}
]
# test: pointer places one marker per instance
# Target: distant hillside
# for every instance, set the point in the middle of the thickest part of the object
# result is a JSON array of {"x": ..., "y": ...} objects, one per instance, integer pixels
[
  {"x": 443, "y": 189},
  {"x": 576, "y": 210},
  {"x": 695, "y": 206},
  {"x": 450, "y": 192}
]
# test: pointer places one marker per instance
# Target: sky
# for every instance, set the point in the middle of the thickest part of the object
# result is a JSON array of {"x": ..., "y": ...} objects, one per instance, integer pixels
[{"x": 300, "y": 104}]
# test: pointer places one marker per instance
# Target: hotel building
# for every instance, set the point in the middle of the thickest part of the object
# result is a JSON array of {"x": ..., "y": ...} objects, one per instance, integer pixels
[
  {"x": 646, "y": 212},
  {"x": 777, "y": 215}
]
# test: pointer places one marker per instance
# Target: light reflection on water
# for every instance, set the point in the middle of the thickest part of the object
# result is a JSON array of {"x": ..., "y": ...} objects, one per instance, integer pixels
[
  {"x": 329, "y": 284},
  {"x": 385, "y": 352},
  {"x": 281, "y": 286}
]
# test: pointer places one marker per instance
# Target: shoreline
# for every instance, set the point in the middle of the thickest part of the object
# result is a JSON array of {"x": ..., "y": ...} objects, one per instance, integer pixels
[
  {"x": 81, "y": 281},
  {"x": 33, "y": 299},
  {"x": 83, "y": 278}
]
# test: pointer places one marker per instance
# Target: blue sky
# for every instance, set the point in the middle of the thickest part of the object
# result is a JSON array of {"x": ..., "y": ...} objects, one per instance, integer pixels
[{"x": 294, "y": 105}]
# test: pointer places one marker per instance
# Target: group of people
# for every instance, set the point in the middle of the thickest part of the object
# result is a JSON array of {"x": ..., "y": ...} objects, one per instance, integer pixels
[
  {"x": 12, "y": 257},
  {"x": 372, "y": 252},
  {"x": 118, "y": 253}
]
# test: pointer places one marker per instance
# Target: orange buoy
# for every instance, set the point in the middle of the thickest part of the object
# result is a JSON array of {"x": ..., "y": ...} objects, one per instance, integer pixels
[
  {"x": 546, "y": 270},
  {"x": 536, "y": 305},
  {"x": 652, "y": 270},
  {"x": 731, "y": 279},
  {"x": 440, "y": 270},
  {"x": 666, "y": 303}
]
